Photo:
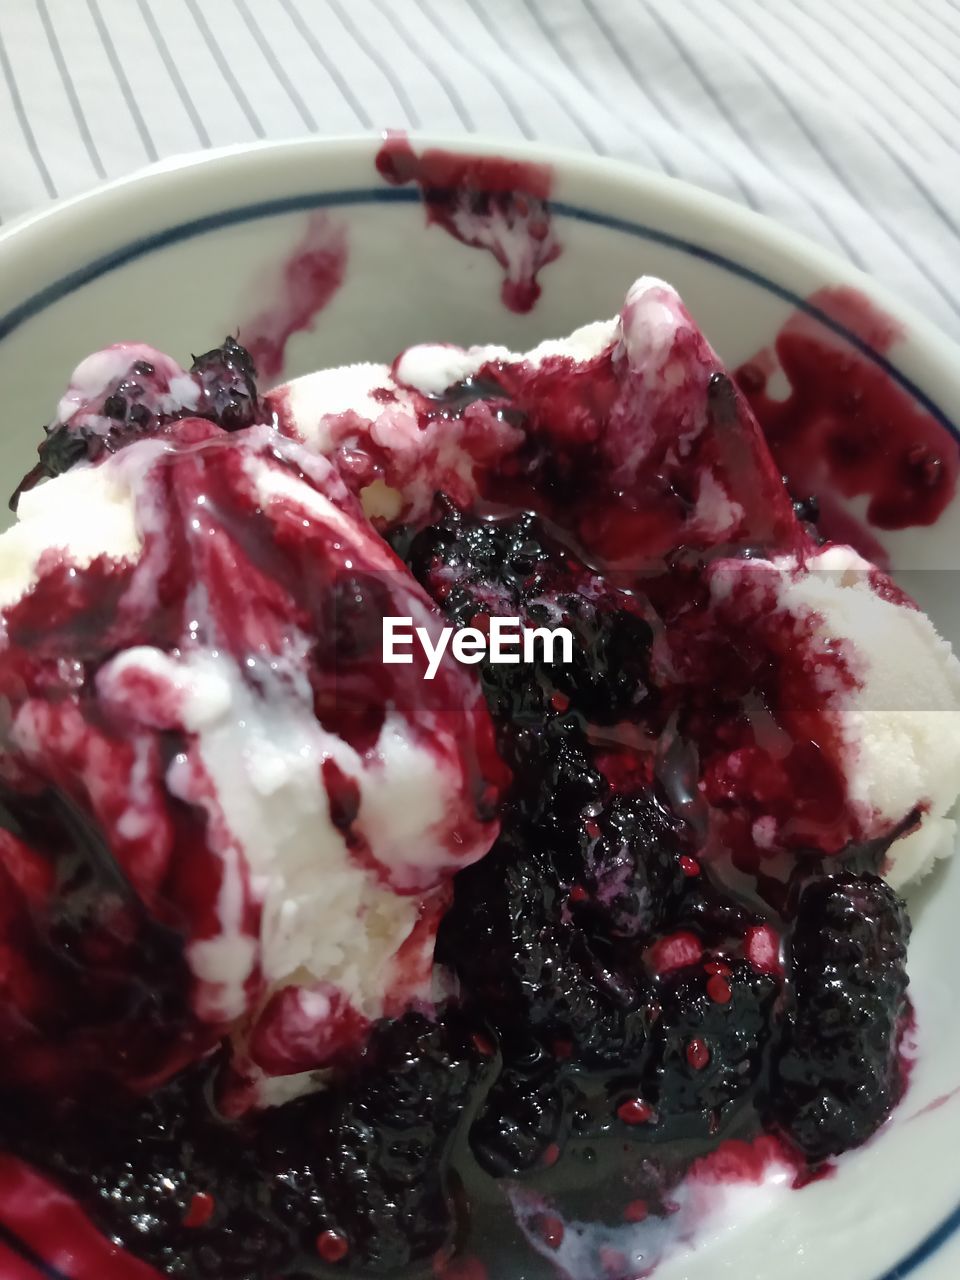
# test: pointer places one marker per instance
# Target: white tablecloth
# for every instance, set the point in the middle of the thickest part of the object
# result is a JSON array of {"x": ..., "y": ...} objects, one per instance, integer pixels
[{"x": 838, "y": 117}]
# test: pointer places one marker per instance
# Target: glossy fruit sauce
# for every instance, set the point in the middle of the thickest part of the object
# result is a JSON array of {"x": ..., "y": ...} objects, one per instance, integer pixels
[
  {"x": 675, "y": 969},
  {"x": 486, "y": 203},
  {"x": 309, "y": 279},
  {"x": 845, "y": 427}
]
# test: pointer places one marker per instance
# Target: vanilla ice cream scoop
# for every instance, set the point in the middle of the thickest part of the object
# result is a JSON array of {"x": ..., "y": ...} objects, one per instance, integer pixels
[
  {"x": 191, "y": 675},
  {"x": 899, "y": 721}
]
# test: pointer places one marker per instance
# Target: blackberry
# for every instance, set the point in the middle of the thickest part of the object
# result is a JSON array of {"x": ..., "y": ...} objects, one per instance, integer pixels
[
  {"x": 375, "y": 1153},
  {"x": 710, "y": 1045},
  {"x": 608, "y": 678},
  {"x": 515, "y": 567},
  {"x": 475, "y": 565},
  {"x": 115, "y": 407},
  {"x": 519, "y": 1123},
  {"x": 631, "y": 863},
  {"x": 709, "y": 910},
  {"x": 505, "y": 938},
  {"x": 361, "y": 1165},
  {"x": 557, "y": 781},
  {"x": 838, "y": 1074},
  {"x": 132, "y": 402},
  {"x": 136, "y": 1167},
  {"x": 140, "y": 403},
  {"x": 227, "y": 378},
  {"x": 513, "y": 943},
  {"x": 475, "y": 569},
  {"x": 622, "y": 851}
]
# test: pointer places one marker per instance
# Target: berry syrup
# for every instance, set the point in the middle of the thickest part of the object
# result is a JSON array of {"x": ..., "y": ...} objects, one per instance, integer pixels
[
  {"x": 677, "y": 899},
  {"x": 846, "y": 427},
  {"x": 657, "y": 1007},
  {"x": 112, "y": 815},
  {"x": 499, "y": 206},
  {"x": 307, "y": 283}
]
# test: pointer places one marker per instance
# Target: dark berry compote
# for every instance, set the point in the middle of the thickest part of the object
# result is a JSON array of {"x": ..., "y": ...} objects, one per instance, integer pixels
[{"x": 313, "y": 965}]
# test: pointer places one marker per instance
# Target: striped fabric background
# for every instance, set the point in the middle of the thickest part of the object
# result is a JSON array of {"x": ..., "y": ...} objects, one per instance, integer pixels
[{"x": 838, "y": 117}]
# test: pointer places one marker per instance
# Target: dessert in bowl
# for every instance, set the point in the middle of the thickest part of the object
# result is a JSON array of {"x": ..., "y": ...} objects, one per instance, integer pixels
[{"x": 316, "y": 963}]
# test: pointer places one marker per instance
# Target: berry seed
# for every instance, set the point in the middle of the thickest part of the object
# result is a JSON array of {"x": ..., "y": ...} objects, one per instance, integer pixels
[
  {"x": 635, "y": 1111},
  {"x": 332, "y": 1246},
  {"x": 698, "y": 1055}
]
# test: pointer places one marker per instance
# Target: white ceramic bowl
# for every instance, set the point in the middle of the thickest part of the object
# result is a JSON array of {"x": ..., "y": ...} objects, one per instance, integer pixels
[{"x": 178, "y": 255}]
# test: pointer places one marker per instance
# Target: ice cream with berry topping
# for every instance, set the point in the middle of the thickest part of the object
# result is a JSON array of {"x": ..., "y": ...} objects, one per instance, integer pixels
[
  {"x": 679, "y": 464},
  {"x": 193, "y": 690},
  {"x": 310, "y": 962}
]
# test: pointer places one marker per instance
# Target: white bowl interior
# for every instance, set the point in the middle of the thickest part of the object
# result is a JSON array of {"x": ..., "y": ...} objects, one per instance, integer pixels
[{"x": 405, "y": 283}]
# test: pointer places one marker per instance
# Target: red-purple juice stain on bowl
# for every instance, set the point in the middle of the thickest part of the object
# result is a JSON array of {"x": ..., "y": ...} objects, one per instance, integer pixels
[
  {"x": 847, "y": 427},
  {"x": 936, "y": 1104},
  {"x": 485, "y": 202},
  {"x": 297, "y": 292}
]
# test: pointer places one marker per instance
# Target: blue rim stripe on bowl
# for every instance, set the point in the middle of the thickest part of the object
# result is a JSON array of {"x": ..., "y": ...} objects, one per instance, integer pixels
[
  {"x": 130, "y": 252},
  {"x": 926, "y": 1249}
]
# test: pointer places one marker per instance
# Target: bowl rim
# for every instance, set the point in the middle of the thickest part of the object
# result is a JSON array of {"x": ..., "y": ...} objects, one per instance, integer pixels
[{"x": 197, "y": 167}]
